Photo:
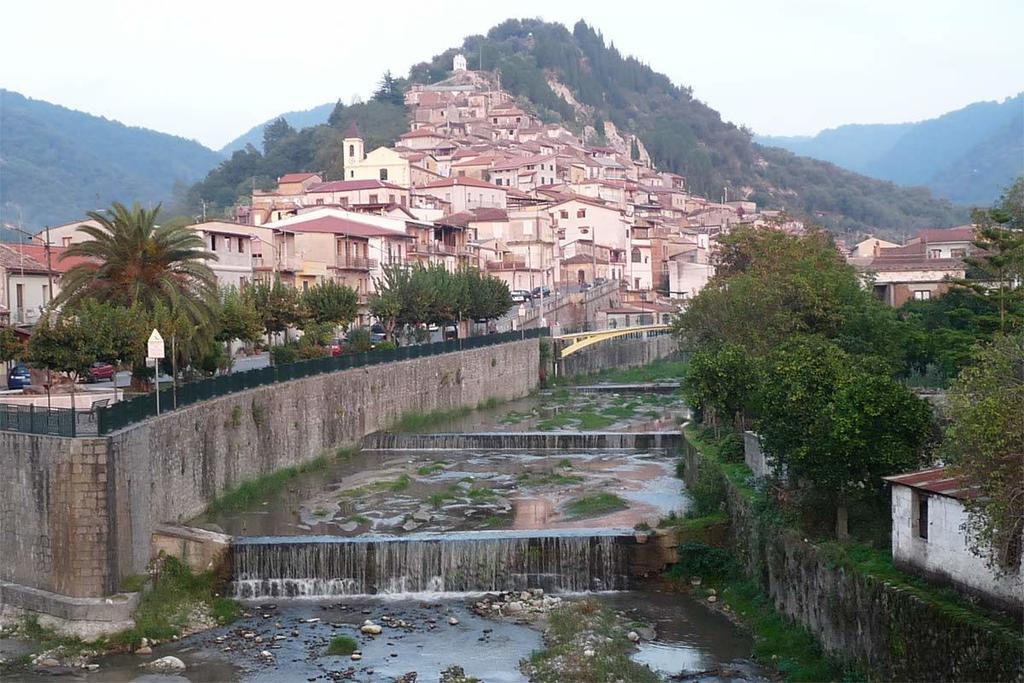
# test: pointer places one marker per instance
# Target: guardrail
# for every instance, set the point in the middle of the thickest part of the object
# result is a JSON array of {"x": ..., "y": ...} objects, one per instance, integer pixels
[{"x": 124, "y": 413}]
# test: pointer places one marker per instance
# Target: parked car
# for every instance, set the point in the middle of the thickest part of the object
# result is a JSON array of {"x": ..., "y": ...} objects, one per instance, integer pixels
[
  {"x": 451, "y": 332},
  {"x": 539, "y": 292},
  {"x": 99, "y": 372},
  {"x": 19, "y": 377},
  {"x": 337, "y": 347},
  {"x": 377, "y": 333},
  {"x": 520, "y": 296}
]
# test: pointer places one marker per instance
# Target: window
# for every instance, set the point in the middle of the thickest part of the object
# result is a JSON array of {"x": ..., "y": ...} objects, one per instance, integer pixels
[
  {"x": 46, "y": 293},
  {"x": 935, "y": 253},
  {"x": 635, "y": 255},
  {"x": 319, "y": 201},
  {"x": 563, "y": 214},
  {"x": 241, "y": 245},
  {"x": 383, "y": 174},
  {"x": 213, "y": 243},
  {"x": 351, "y": 174},
  {"x": 391, "y": 199},
  {"x": 373, "y": 199},
  {"x": 581, "y": 213},
  {"x": 922, "y": 514},
  {"x": 922, "y": 295},
  {"x": 462, "y": 174},
  {"x": 66, "y": 241},
  {"x": 351, "y": 150},
  {"x": 958, "y": 253},
  {"x": 495, "y": 120}
]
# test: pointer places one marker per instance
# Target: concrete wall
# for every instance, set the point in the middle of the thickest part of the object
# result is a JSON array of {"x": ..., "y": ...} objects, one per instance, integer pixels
[
  {"x": 624, "y": 352},
  {"x": 754, "y": 456},
  {"x": 944, "y": 555},
  {"x": 78, "y": 514}
]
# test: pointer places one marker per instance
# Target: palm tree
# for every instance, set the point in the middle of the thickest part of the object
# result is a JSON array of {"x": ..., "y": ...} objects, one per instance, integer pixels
[{"x": 131, "y": 260}]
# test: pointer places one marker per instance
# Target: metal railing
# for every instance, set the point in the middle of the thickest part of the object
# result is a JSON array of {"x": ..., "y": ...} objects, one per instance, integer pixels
[
  {"x": 33, "y": 419},
  {"x": 124, "y": 413}
]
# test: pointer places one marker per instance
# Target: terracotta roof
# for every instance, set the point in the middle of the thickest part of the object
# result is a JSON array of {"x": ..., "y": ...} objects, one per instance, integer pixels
[
  {"x": 294, "y": 177},
  {"x": 482, "y": 214},
  {"x": 963, "y": 233},
  {"x": 57, "y": 260},
  {"x": 461, "y": 180},
  {"x": 353, "y": 130},
  {"x": 340, "y": 226},
  {"x": 354, "y": 185},
  {"x": 421, "y": 133},
  {"x": 16, "y": 257},
  {"x": 935, "y": 480}
]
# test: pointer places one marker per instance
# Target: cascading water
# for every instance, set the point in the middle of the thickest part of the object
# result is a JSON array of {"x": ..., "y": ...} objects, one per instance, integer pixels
[
  {"x": 533, "y": 441},
  {"x": 470, "y": 562}
]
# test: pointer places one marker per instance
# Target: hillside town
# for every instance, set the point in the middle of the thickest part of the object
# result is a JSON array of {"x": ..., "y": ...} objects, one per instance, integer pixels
[
  {"x": 504, "y": 400},
  {"x": 479, "y": 181}
]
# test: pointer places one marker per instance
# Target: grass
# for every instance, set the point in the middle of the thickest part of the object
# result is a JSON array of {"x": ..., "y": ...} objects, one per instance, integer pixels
[
  {"x": 427, "y": 470},
  {"x": 342, "y": 646},
  {"x": 163, "y": 612},
  {"x": 595, "y": 504},
  {"x": 586, "y": 419},
  {"x": 249, "y": 493},
  {"x": 480, "y": 494},
  {"x": 415, "y": 421},
  {"x": 400, "y": 484},
  {"x": 548, "y": 479},
  {"x": 561, "y": 660}
]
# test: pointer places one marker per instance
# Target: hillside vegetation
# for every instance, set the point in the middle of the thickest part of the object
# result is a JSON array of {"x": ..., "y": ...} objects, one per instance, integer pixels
[
  {"x": 57, "y": 163},
  {"x": 969, "y": 155},
  {"x": 682, "y": 133}
]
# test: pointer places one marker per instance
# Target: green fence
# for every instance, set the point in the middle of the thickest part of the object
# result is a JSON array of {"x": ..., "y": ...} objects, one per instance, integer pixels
[
  {"x": 41, "y": 420},
  {"x": 134, "y": 410}
]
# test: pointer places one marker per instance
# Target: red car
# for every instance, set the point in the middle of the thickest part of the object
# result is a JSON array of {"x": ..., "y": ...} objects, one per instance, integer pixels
[
  {"x": 337, "y": 347},
  {"x": 99, "y": 372}
]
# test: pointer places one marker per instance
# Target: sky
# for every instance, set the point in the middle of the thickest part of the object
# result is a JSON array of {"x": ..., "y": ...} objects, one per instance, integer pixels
[{"x": 211, "y": 70}]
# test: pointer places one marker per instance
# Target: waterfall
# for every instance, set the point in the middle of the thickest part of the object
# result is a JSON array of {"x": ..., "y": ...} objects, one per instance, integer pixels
[
  {"x": 536, "y": 441},
  {"x": 319, "y": 566}
]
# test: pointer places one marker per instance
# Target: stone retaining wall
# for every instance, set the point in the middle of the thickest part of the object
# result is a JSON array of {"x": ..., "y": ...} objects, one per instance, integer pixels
[
  {"x": 624, "y": 352},
  {"x": 857, "y": 616}
]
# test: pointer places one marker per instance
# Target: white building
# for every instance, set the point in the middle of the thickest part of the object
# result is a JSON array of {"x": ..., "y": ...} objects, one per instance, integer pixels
[{"x": 928, "y": 538}]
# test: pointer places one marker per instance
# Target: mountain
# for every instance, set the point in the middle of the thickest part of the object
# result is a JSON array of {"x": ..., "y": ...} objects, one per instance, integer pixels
[
  {"x": 57, "y": 163},
  {"x": 296, "y": 119},
  {"x": 967, "y": 156},
  {"x": 576, "y": 78}
]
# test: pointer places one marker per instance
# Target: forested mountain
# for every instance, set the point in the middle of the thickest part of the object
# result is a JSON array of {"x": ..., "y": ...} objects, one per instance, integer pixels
[
  {"x": 57, "y": 163},
  {"x": 296, "y": 119},
  {"x": 682, "y": 133},
  {"x": 968, "y": 156}
]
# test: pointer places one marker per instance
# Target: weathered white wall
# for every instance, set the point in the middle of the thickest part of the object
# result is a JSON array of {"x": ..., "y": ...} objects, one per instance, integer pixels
[
  {"x": 753, "y": 455},
  {"x": 944, "y": 554}
]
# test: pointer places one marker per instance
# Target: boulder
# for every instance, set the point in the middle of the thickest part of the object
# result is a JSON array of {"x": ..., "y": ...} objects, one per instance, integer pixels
[{"x": 165, "y": 665}]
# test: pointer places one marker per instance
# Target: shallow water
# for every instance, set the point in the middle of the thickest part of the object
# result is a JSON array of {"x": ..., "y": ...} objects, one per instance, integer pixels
[
  {"x": 690, "y": 639},
  {"x": 400, "y": 492}
]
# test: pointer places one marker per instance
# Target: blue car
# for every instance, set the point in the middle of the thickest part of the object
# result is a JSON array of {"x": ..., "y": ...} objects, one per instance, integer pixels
[{"x": 19, "y": 377}]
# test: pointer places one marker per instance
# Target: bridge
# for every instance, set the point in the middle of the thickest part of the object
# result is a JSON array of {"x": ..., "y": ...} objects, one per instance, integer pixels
[{"x": 568, "y": 344}]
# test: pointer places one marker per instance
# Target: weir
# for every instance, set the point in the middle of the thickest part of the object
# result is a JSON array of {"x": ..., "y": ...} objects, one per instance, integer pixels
[
  {"x": 536, "y": 441},
  {"x": 325, "y": 566}
]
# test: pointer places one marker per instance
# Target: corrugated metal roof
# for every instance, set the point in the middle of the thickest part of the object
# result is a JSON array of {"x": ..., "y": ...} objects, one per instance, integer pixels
[{"x": 935, "y": 480}]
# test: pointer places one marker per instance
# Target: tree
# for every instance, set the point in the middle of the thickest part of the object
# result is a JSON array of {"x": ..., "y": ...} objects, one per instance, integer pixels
[
  {"x": 390, "y": 297},
  {"x": 330, "y": 302},
  {"x": 274, "y": 132},
  {"x": 237, "y": 317},
  {"x": 985, "y": 444},
  {"x": 634, "y": 149},
  {"x": 489, "y": 297},
  {"x": 278, "y": 306},
  {"x": 389, "y": 89},
  {"x": 999, "y": 234},
  {"x": 63, "y": 344},
  {"x": 833, "y": 421},
  {"x": 11, "y": 347},
  {"x": 720, "y": 384},
  {"x": 128, "y": 260}
]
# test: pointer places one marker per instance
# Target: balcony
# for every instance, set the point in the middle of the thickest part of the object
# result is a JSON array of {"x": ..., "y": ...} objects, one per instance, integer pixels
[
  {"x": 346, "y": 262},
  {"x": 507, "y": 264}
]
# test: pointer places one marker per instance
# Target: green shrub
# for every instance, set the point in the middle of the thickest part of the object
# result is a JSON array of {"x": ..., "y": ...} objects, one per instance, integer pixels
[
  {"x": 730, "y": 448},
  {"x": 386, "y": 346},
  {"x": 700, "y": 559},
  {"x": 286, "y": 353},
  {"x": 342, "y": 645}
]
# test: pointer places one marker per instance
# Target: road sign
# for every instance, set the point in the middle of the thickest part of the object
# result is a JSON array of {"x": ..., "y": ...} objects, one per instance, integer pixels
[{"x": 155, "y": 345}]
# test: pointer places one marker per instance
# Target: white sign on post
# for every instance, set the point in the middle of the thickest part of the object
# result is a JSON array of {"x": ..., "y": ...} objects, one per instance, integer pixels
[
  {"x": 155, "y": 345},
  {"x": 155, "y": 351}
]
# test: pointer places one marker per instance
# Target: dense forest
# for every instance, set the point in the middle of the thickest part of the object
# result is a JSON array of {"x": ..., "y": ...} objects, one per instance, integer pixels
[
  {"x": 682, "y": 133},
  {"x": 58, "y": 163}
]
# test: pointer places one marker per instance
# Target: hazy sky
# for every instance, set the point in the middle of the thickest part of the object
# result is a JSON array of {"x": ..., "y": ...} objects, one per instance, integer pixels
[{"x": 210, "y": 70}]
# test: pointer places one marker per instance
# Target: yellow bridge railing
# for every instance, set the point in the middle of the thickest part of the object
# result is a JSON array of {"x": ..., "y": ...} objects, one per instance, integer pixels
[{"x": 569, "y": 344}]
